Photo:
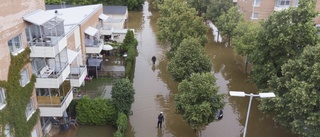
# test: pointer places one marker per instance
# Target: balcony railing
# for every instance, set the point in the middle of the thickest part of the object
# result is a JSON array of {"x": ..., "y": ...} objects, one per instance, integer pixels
[
  {"x": 54, "y": 105},
  {"x": 49, "y": 78},
  {"x": 77, "y": 76},
  {"x": 49, "y": 47}
]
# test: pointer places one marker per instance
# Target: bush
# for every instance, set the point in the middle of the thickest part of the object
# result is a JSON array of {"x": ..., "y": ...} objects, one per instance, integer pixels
[
  {"x": 122, "y": 122},
  {"x": 96, "y": 111}
]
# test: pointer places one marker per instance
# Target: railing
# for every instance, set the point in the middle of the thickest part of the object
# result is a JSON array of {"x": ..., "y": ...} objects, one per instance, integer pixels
[
  {"x": 77, "y": 72},
  {"x": 47, "y": 41},
  {"x": 52, "y": 101},
  {"x": 55, "y": 74},
  {"x": 93, "y": 43}
]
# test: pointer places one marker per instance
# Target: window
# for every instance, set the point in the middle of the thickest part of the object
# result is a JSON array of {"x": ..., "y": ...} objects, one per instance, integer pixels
[
  {"x": 254, "y": 16},
  {"x": 7, "y": 132},
  {"x": 15, "y": 45},
  {"x": 256, "y": 2},
  {"x": 2, "y": 99},
  {"x": 29, "y": 109},
  {"x": 24, "y": 77},
  {"x": 34, "y": 132},
  {"x": 283, "y": 2}
]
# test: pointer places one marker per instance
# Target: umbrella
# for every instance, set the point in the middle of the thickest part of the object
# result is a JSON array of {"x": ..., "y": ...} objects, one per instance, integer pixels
[{"x": 107, "y": 47}]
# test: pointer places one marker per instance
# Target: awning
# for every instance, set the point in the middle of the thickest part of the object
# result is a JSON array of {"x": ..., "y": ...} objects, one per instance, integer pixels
[
  {"x": 103, "y": 17},
  {"x": 38, "y": 17},
  {"x": 71, "y": 55},
  {"x": 91, "y": 31},
  {"x": 94, "y": 62}
]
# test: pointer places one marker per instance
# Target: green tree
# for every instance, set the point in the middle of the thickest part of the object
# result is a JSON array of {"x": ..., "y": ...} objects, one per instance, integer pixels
[
  {"x": 298, "y": 94},
  {"x": 244, "y": 38},
  {"x": 96, "y": 111},
  {"x": 129, "y": 40},
  {"x": 199, "y": 5},
  {"x": 283, "y": 36},
  {"x": 227, "y": 22},
  {"x": 189, "y": 58},
  {"x": 198, "y": 101},
  {"x": 216, "y": 8},
  {"x": 177, "y": 21},
  {"x": 122, "y": 94}
]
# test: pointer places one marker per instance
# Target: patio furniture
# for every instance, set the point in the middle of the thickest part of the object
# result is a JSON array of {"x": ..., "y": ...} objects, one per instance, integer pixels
[{"x": 73, "y": 122}]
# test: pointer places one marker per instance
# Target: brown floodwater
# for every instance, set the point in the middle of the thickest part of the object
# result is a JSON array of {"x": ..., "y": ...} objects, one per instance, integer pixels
[{"x": 155, "y": 90}]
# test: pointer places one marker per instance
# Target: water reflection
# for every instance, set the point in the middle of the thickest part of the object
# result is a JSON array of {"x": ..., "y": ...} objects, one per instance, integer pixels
[{"x": 155, "y": 90}]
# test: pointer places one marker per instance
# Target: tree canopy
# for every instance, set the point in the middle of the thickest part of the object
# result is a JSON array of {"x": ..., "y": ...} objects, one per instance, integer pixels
[
  {"x": 227, "y": 22},
  {"x": 189, "y": 58},
  {"x": 298, "y": 94},
  {"x": 132, "y": 4},
  {"x": 216, "y": 8},
  {"x": 199, "y": 102},
  {"x": 177, "y": 21},
  {"x": 282, "y": 37},
  {"x": 122, "y": 94}
]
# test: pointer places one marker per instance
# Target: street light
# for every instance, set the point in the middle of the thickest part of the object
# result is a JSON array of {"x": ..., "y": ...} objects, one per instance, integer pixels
[{"x": 242, "y": 94}]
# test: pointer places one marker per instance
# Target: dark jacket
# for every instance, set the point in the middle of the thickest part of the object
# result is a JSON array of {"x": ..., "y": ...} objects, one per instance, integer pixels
[{"x": 160, "y": 118}]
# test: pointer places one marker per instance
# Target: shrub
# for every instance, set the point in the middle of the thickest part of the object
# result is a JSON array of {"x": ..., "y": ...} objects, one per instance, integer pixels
[{"x": 96, "y": 111}]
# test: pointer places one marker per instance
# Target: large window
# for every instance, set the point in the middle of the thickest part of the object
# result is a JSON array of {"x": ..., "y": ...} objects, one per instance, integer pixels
[
  {"x": 29, "y": 109},
  {"x": 283, "y": 2},
  {"x": 256, "y": 2},
  {"x": 34, "y": 132},
  {"x": 15, "y": 45},
  {"x": 7, "y": 132},
  {"x": 254, "y": 15},
  {"x": 24, "y": 77},
  {"x": 2, "y": 98}
]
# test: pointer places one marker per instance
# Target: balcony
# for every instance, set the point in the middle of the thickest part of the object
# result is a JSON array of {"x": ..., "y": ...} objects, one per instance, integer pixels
[
  {"x": 49, "y": 78},
  {"x": 94, "y": 46},
  {"x": 77, "y": 76},
  {"x": 106, "y": 30},
  {"x": 54, "y": 106},
  {"x": 48, "y": 47}
]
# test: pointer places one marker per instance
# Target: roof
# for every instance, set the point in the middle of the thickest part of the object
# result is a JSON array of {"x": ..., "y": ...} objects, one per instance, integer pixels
[
  {"x": 94, "y": 62},
  {"x": 38, "y": 17},
  {"x": 120, "y": 10},
  {"x": 74, "y": 15},
  {"x": 106, "y": 9},
  {"x": 51, "y": 7}
]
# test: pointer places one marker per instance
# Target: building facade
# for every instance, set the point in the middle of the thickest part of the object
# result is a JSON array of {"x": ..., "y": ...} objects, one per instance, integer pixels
[
  {"x": 260, "y": 9},
  {"x": 13, "y": 43}
]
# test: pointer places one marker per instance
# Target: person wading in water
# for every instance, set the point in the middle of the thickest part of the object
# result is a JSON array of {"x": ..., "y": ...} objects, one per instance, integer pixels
[
  {"x": 160, "y": 120},
  {"x": 153, "y": 60}
]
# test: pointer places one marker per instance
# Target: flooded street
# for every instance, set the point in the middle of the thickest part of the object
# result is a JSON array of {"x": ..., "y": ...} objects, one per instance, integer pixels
[{"x": 155, "y": 90}]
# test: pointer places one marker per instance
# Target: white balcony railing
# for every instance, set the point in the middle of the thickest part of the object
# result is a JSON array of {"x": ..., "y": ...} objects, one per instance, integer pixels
[
  {"x": 56, "y": 105},
  {"x": 77, "y": 76},
  {"x": 51, "y": 78},
  {"x": 95, "y": 47},
  {"x": 48, "y": 48}
]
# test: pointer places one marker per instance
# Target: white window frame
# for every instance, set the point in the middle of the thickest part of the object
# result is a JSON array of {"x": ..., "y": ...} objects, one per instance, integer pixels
[
  {"x": 15, "y": 45},
  {"x": 3, "y": 102},
  {"x": 24, "y": 77},
  {"x": 284, "y": 3},
  {"x": 7, "y": 131},
  {"x": 253, "y": 15},
  {"x": 256, "y": 3},
  {"x": 30, "y": 109},
  {"x": 34, "y": 133}
]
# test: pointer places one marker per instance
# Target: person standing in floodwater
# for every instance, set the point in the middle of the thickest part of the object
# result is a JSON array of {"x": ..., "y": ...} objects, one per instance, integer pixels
[
  {"x": 153, "y": 59},
  {"x": 160, "y": 120}
]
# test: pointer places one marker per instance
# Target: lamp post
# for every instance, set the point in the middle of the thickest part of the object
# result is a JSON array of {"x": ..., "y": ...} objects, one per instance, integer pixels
[{"x": 242, "y": 94}]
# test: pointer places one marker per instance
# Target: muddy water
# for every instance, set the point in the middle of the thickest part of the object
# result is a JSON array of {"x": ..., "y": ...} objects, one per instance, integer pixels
[{"x": 155, "y": 90}]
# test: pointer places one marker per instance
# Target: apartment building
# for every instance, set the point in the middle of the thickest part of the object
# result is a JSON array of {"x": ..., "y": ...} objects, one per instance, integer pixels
[
  {"x": 57, "y": 42},
  {"x": 261, "y": 9},
  {"x": 13, "y": 43}
]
